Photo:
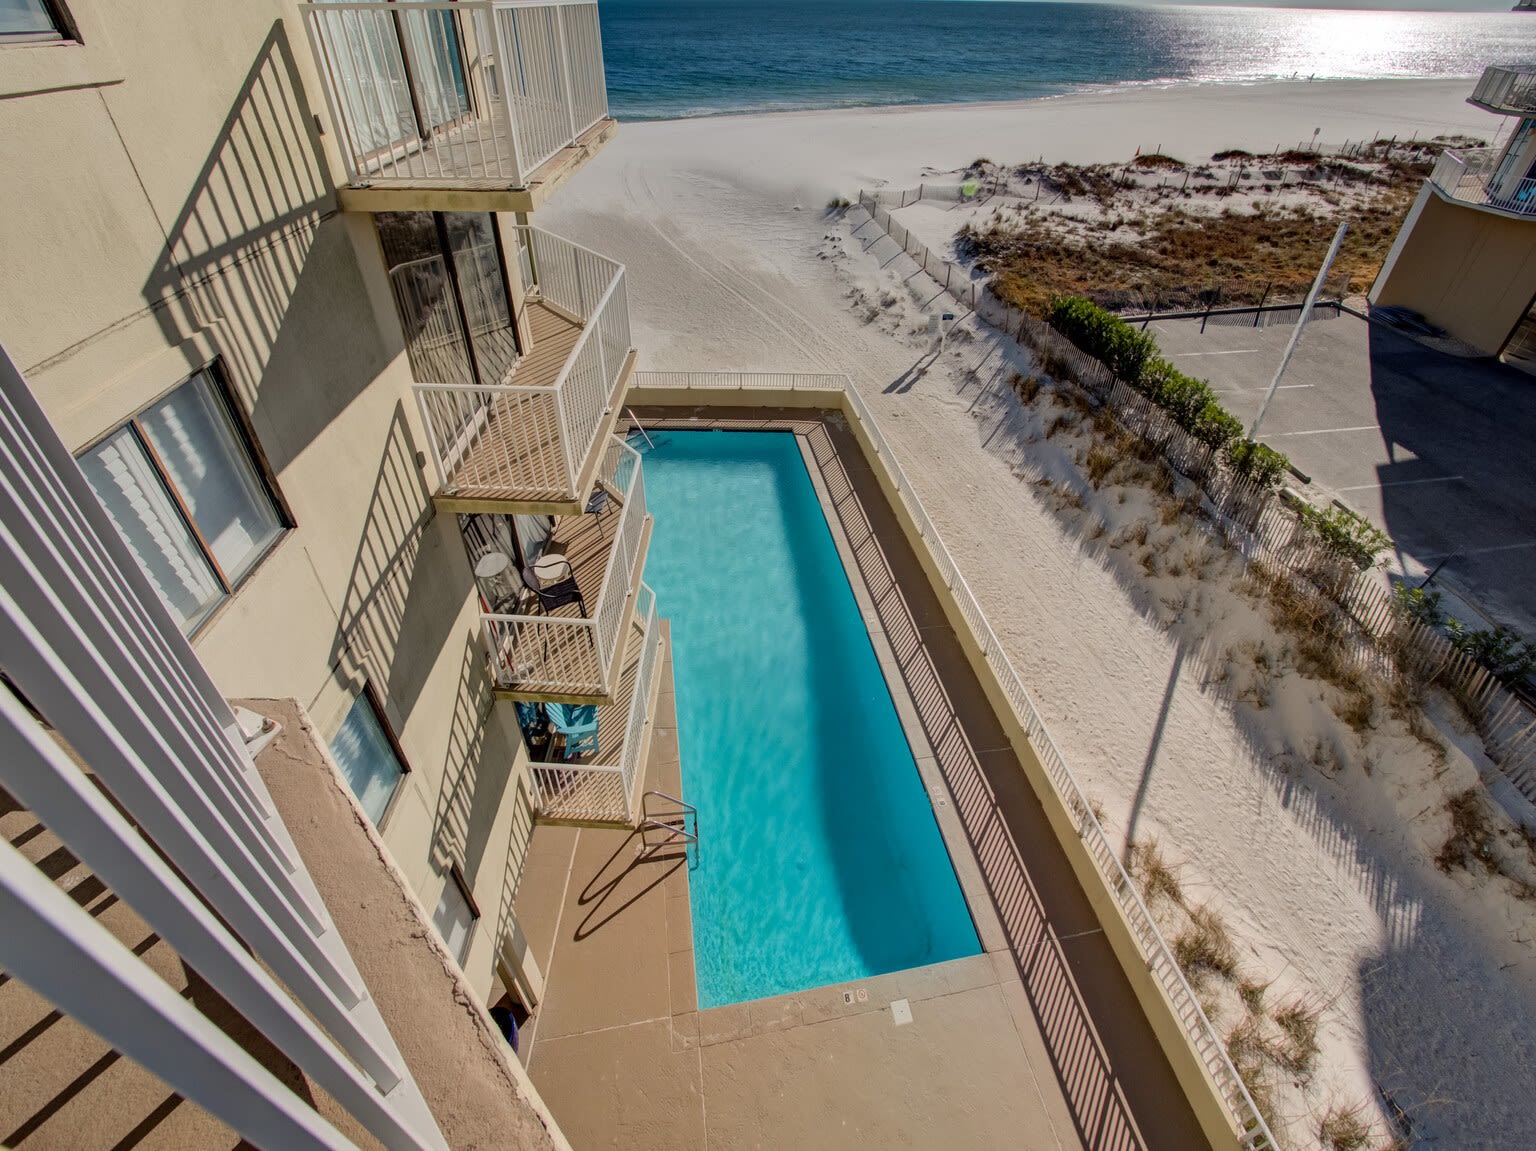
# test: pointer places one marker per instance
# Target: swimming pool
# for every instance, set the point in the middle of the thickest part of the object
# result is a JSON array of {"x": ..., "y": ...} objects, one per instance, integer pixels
[{"x": 819, "y": 858}]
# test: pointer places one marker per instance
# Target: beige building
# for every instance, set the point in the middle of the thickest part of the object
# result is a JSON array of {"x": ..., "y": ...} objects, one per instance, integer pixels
[
  {"x": 270, "y": 273},
  {"x": 1465, "y": 258}
]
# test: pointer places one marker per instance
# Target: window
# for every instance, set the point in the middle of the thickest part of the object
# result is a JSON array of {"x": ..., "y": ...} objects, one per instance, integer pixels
[
  {"x": 456, "y": 914},
  {"x": 180, "y": 485},
  {"x": 448, "y": 279},
  {"x": 26, "y": 20},
  {"x": 369, "y": 757}
]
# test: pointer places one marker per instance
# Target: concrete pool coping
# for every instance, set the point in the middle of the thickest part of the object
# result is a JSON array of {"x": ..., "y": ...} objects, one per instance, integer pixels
[{"x": 1106, "y": 1051}]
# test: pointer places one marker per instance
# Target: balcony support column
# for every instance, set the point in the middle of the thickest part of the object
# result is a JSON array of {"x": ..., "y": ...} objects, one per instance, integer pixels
[
  {"x": 512, "y": 261},
  {"x": 565, "y": 74}
]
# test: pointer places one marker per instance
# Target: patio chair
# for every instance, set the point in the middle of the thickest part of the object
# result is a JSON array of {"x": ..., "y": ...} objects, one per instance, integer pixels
[
  {"x": 557, "y": 592},
  {"x": 577, "y": 722},
  {"x": 597, "y": 503}
]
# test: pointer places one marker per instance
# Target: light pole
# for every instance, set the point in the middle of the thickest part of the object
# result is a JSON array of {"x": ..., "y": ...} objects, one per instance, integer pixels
[{"x": 1301, "y": 322}]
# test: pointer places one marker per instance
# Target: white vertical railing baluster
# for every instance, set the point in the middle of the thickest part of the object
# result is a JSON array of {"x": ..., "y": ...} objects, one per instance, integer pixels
[
  {"x": 90, "y": 645},
  {"x": 57, "y": 949}
]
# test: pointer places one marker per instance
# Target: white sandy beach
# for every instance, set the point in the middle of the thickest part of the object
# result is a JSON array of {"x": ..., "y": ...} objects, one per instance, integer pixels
[{"x": 1327, "y": 882}]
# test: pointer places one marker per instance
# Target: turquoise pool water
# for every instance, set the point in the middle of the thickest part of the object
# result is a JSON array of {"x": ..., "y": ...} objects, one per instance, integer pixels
[{"x": 819, "y": 859}]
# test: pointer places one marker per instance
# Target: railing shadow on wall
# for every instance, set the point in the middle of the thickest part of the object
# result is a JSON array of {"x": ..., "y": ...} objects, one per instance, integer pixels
[
  {"x": 393, "y": 620},
  {"x": 260, "y": 257},
  {"x": 477, "y": 770}
]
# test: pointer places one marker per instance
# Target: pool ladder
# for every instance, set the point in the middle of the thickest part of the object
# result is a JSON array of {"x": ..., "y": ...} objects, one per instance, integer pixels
[{"x": 677, "y": 823}]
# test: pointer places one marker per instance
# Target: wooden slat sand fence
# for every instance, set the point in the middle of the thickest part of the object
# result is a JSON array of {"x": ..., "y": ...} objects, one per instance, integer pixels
[{"x": 1356, "y": 606}]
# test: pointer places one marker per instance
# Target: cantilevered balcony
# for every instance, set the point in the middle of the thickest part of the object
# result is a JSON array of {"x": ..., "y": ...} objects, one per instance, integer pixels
[
  {"x": 1473, "y": 176},
  {"x": 573, "y": 653},
  {"x": 600, "y": 786},
  {"x": 433, "y": 100},
  {"x": 534, "y": 442},
  {"x": 1508, "y": 89}
]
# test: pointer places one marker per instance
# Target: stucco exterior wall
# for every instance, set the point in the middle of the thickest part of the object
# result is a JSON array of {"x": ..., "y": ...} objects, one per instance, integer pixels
[
  {"x": 1469, "y": 270},
  {"x": 169, "y": 202}
]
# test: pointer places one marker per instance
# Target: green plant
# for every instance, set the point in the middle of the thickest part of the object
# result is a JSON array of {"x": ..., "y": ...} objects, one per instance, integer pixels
[
  {"x": 1103, "y": 335},
  {"x": 839, "y": 204},
  {"x": 1499, "y": 649},
  {"x": 1422, "y": 605},
  {"x": 1257, "y": 462},
  {"x": 1345, "y": 533}
]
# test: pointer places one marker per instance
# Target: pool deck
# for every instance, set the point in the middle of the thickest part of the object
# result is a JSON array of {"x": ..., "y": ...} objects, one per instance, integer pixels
[{"x": 1038, "y": 1042}]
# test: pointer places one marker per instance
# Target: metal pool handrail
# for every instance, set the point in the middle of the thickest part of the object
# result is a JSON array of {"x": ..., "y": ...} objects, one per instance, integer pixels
[{"x": 1253, "y": 1131}]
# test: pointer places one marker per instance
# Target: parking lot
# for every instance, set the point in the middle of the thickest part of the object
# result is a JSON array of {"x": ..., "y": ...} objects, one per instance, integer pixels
[{"x": 1435, "y": 449}]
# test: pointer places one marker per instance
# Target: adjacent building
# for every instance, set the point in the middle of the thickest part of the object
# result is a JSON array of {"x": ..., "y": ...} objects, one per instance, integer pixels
[
  {"x": 274, "y": 281},
  {"x": 1465, "y": 258}
]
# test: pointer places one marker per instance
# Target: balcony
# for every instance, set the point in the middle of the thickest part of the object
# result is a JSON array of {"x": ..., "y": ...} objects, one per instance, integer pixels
[
  {"x": 1508, "y": 89},
  {"x": 577, "y": 657},
  {"x": 534, "y": 442},
  {"x": 433, "y": 99},
  {"x": 601, "y": 788},
  {"x": 1472, "y": 177}
]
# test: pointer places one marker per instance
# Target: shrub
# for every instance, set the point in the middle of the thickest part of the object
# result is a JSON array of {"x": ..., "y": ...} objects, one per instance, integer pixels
[
  {"x": 1344, "y": 533},
  {"x": 1422, "y": 605},
  {"x": 1189, "y": 402},
  {"x": 1104, "y": 335},
  {"x": 1214, "y": 425},
  {"x": 1500, "y": 650},
  {"x": 1257, "y": 462}
]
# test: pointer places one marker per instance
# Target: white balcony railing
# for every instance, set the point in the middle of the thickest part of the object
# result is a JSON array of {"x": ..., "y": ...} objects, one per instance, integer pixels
[
  {"x": 1507, "y": 88},
  {"x": 529, "y": 437},
  {"x": 570, "y": 656},
  {"x": 141, "y": 772},
  {"x": 1471, "y": 176},
  {"x": 604, "y": 789},
  {"x": 436, "y": 93}
]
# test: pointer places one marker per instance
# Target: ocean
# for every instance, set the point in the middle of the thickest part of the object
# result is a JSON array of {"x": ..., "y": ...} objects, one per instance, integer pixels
[{"x": 668, "y": 59}]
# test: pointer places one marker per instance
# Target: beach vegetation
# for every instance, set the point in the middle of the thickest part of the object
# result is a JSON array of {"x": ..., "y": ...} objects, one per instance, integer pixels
[
  {"x": 1499, "y": 649},
  {"x": 1183, "y": 255},
  {"x": 1189, "y": 402},
  {"x": 1298, "y": 1022},
  {"x": 1027, "y": 388},
  {"x": 1103, "y": 335},
  {"x": 1158, "y": 161},
  {"x": 1154, "y": 875},
  {"x": 1469, "y": 846},
  {"x": 1257, "y": 462},
  {"x": 1205, "y": 946},
  {"x": 1344, "y": 1129},
  {"x": 1347, "y": 534}
]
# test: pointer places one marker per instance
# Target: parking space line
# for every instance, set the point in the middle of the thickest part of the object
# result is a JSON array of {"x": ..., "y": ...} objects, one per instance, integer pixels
[
  {"x": 1476, "y": 551},
  {"x": 1260, "y": 391},
  {"x": 1400, "y": 483},
  {"x": 1326, "y": 431}
]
